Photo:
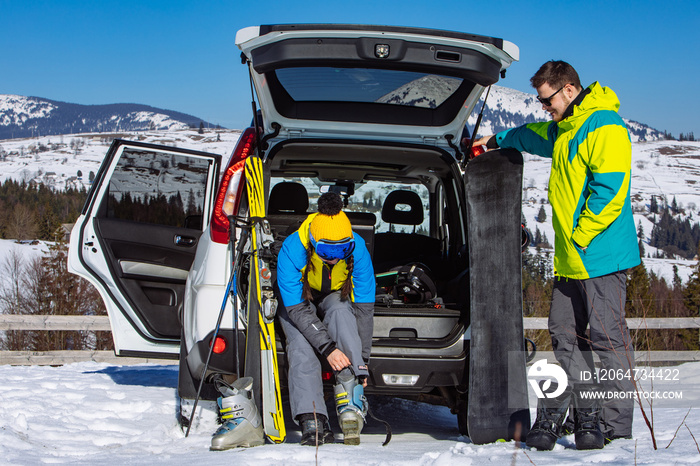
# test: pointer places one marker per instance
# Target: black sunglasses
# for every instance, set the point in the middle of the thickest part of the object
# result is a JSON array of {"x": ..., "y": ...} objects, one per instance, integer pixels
[{"x": 547, "y": 101}]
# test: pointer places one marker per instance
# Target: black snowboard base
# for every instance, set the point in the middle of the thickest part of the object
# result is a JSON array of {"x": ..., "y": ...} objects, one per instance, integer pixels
[{"x": 498, "y": 401}]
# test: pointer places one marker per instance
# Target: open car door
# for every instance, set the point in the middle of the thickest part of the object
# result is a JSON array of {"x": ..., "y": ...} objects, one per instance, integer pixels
[{"x": 136, "y": 238}]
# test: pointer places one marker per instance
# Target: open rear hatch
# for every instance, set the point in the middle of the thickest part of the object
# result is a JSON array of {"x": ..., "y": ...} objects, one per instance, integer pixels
[{"x": 405, "y": 84}]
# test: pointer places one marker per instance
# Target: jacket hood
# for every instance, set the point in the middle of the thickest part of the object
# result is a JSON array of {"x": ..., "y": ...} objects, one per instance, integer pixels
[{"x": 599, "y": 98}]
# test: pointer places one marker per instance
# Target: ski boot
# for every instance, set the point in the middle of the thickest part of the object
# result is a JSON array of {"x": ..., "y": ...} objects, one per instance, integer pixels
[
  {"x": 587, "y": 433},
  {"x": 351, "y": 405},
  {"x": 315, "y": 429},
  {"x": 241, "y": 421},
  {"x": 549, "y": 424}
]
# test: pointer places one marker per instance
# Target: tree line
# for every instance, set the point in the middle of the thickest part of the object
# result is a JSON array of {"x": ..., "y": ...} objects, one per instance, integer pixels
[
  {"x": 35, "y": 211},
  {"x": 43, "y": 286},
  {"x": 648, "y": 295},
  {"x": 674, "y": 235}
]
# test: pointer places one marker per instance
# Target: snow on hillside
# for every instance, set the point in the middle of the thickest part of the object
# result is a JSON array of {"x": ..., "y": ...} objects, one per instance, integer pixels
[
  {"x": 56, "y": 160},
  {"x": 661, "y": 168},
  {"x": 22, "y": 116},
  {"x": 93, "y": 413},
  {"x": 17, "y": 109},
  {"x": 25, "y": 252}
]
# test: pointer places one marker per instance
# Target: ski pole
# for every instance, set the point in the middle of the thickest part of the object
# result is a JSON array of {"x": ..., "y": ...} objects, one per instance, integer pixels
[
  {"x": 234, "y": 292},
  {"x": 211, "y": 350}
]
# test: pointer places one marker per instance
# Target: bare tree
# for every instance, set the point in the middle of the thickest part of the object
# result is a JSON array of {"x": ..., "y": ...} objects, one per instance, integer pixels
[
  {"x": 43, "y": 286},
  {"x": 12, "y": 299},
  {"x": 21, "y": 224}
]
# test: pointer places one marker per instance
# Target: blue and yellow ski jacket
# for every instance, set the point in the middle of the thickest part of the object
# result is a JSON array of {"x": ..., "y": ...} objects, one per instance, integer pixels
[
  {"x": 291, "y": 263},
  {"x": 589, "y": 185}
]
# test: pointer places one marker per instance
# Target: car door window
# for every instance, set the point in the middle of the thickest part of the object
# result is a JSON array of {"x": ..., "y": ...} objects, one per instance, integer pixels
[{"x": 158, "y": 188}]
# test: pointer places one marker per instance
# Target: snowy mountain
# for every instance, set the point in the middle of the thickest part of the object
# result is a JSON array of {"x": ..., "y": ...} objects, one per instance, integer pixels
[
  {"x": 33, "y": 116},
  {"x": 506, "y": 108}
]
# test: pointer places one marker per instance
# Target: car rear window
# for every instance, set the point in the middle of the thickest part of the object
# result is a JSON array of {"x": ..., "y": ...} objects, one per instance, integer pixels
[{"x": 365, "y": 85}]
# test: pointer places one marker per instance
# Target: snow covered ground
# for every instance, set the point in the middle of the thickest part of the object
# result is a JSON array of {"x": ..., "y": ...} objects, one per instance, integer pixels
[{"x": 90, "y": 413}]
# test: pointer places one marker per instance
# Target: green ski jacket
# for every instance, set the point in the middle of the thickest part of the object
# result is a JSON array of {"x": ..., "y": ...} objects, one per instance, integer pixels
[{"x": 589, "y": 185}]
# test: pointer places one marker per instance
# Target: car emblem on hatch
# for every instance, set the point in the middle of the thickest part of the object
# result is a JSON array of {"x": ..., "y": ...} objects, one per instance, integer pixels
[{"x": 381, "y": 50}]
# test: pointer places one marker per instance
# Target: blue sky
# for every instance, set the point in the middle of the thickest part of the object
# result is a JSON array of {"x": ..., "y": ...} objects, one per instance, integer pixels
[{"x": 180, "y": 55}]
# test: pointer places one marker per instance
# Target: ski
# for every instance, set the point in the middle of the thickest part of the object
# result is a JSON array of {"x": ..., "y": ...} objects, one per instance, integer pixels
[
  {"x": 262, "y": 306},
  {"x": 498, "y": 403}
]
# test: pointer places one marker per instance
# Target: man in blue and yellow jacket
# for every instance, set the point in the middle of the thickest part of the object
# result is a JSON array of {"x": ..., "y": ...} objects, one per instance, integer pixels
[
  {"x": 595, "y": 243},
  {"x": 326, "y": 281}
]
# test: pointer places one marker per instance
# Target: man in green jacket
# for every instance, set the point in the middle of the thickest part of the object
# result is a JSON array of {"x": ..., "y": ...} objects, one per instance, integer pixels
[{"x": 595, "y": 244}]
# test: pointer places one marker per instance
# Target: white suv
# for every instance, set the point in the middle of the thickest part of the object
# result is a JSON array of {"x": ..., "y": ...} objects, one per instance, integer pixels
[{"x": 375, "y": 113}]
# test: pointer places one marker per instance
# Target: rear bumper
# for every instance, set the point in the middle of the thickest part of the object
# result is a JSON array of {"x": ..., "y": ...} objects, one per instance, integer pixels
[
  {"x": 433, "y": 367},
  {"x": 430, "y": 372}
]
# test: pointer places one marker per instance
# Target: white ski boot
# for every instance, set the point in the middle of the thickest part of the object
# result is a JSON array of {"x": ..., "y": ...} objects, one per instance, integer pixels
[
  {"x": 242, "y": 425},
  {"x": 351, "y": 405}
]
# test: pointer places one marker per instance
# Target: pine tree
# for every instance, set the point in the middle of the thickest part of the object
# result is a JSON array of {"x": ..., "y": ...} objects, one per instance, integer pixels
[
  {"x": 691, "y": 293},
  {"x": 541, "y": 215},
  {"x": 677, "y": 282},
  {"x": 639, "y": 299},
  {"x": 654, "y": 205}
]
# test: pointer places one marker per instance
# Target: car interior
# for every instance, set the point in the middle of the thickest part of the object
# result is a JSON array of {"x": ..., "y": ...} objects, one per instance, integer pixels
[{"x": 405, "y": 208}]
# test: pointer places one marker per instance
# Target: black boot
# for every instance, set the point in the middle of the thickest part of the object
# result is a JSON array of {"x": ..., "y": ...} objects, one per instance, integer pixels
[
  {"x": 547, "y": 428},
  {"x": 311, "y": 425},
  {"x": 587, "y": 433}
]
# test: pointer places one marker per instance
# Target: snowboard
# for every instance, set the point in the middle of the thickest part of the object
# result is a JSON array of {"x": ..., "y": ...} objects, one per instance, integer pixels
[
  {"x": 261, "y": 345},
  {"x": 497, "y": 399}
]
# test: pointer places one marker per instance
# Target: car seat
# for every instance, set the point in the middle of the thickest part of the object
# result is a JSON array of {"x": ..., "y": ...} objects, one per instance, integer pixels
[
  {"x": 391, "y": 248},
  {"x": 288, "y": 197},
  {"x": 287, "y": 206}
]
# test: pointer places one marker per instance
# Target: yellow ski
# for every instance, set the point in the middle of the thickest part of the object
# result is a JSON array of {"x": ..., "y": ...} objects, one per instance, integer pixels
[{"x": 263, "y": 303}]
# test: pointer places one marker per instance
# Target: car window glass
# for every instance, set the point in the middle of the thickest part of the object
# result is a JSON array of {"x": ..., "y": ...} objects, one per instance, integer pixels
[
  {"x": 408, "y": 88},
  {"x": 159, "y": 188},
  {"x": 369, "y": 197}
]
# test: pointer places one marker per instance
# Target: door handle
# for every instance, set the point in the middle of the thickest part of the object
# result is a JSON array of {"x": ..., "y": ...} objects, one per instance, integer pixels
[{"x": 186, "y": 241}]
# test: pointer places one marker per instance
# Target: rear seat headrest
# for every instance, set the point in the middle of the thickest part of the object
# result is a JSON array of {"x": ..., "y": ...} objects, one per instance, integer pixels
[
  {"x": 288, "y": 198},
  {"x": 414, "y": 216}
]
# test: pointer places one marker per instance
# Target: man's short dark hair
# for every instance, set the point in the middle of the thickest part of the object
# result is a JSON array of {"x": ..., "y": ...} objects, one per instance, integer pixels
[{"x": 557, "y": 74}]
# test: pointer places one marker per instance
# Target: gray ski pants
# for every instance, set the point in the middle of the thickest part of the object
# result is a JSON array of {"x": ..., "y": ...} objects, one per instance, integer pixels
[
  {"x": 304, "y": 378},
  {"x": 599, "y": 304}
]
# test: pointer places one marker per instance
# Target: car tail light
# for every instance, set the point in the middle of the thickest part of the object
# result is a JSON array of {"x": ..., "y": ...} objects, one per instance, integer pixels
[
  {"x": 229, "y": 196},
  {"x": 219, "y": 345}
]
